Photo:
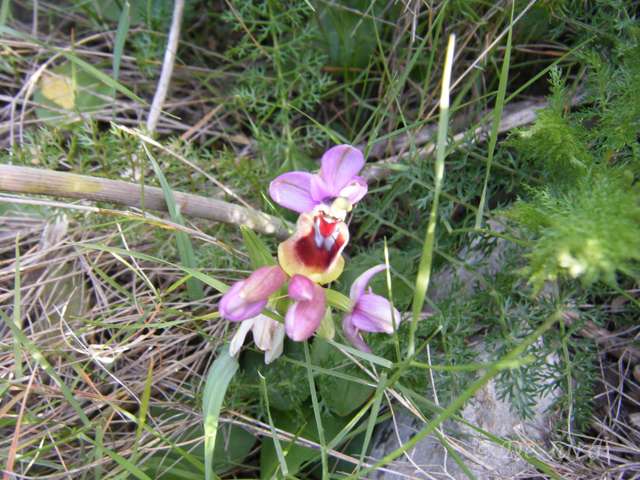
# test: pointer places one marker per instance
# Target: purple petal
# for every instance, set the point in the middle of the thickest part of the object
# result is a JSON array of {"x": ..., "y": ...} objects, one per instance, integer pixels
[
  {"x": 236, "y": 309},
  {"x": 358, "y": 287},
  {"x": 301, "y": 288},
  {"x": 303, "y": 318},
  {"x": 263, "y": 283},
  {"x": 293, "y": 191},
  {"x": 340, "y": 165},
  {"x": 372, "y": 313},
  {"x": 319, "y": 189},
  {"x": 353, "y": 335},
  {"x": 355, "y": 190}
]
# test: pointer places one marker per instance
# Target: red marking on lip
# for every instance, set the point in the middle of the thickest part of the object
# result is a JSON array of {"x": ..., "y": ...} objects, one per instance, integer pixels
[{"x": 321, "y": 246}]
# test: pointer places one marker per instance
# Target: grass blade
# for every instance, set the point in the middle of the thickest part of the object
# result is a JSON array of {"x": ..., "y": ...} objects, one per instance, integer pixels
[
  {"x": 46, "y": 366},
  {"x": 449, "y": 412},
  {"x": 220, "y": 374},
  {"x": 17, "y": 345},
  {"x": 274, "y": 434},
  {"x": 144, "y": 408},
  {"x": 497, "y": 115},
  {"x": 316, "y": 412},
  {"x": 4, "y": 12},
  {"x": 118, "y": 45},
  {"x": 123, "y": 462},
  {"x": 212, "y": 282},
  {"x": 375, "y": 410},
  {"x": 185, "y": 248},
  {"x": 424, "y": 270}
]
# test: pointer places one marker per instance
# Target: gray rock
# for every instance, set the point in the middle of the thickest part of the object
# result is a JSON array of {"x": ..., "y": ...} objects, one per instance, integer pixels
[{"x": 484, "y": 458}]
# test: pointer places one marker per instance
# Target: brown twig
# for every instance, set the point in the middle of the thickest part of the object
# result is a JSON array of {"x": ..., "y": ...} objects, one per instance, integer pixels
[{"x": 34, "y": 181}]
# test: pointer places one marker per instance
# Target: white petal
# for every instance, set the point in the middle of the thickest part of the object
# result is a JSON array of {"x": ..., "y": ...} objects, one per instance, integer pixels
[
  {"x": 276, "y": 346},
  {"x": 238, "y": 338},
  {"x": 263, "y": 329}
]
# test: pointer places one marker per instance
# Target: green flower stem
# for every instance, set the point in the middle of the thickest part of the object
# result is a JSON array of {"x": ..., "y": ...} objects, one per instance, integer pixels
[{"x": 424, "y": 270}]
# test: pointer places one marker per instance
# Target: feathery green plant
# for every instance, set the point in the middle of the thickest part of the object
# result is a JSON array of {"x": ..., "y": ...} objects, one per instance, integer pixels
[
  {"x": 586, "y": 220},
  {"x": 285, "y": 77}
]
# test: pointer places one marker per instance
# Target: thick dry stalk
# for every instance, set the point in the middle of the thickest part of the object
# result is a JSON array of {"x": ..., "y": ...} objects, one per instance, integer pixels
[
  {"x": 167, "y": 67},
  {"x": 35, "y": 181}
]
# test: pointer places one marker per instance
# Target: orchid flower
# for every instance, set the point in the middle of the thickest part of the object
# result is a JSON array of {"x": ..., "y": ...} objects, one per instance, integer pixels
[
  {"x": 370, "y": 313},
  {"x": 305, "y": 315},
  {"x": 268, "y": 335},
  {"x": 310, "y": 257},
  {"x": 247, "y": 298},
  {"x": 303, "y": 191}
]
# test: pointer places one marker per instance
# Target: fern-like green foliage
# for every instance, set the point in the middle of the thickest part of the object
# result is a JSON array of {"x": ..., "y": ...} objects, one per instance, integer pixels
[
  {"x": 618, "y": 115},
  {"x": 586, "y": 232},
  {"x": 554, "y": 142},
  {"x": 586, "y": 221},
  {"x": 285, "y": 76}
]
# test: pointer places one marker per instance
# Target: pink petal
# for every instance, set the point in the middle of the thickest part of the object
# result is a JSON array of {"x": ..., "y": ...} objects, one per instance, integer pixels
[
  {"x": 263, "y": 283},
  {"x": 319, "y": 190},
  {"x": 339, "y": 167},
  {"x": 293, "y": 191},
  {"x": 301, "y": 288},
  {"x": 303, "y": 318},
  {"x": 353, "y": 335},
  {"x": 358, "y": 287},
  {"x": 372, "y": 313},
  {"x": 236, "y": 309},
  {"x": 355, "y": 190}
]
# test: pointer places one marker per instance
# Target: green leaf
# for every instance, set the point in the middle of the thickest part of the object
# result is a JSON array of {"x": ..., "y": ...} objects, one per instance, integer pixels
[
  {"x": 305, "y": 428},
  {"x": 258, "y": 251},
  {"x": 341, "y": 395},
  {"x": 81, "y": 63},
  {"x": 286, "y": 377},
  {"x": 220, "y": 374},
  {"x": 64, "y": 93},
  {"x": 174, "y": 464},
  {"x": 185, "y": 248},
  {"x": 112, "y": 10}
]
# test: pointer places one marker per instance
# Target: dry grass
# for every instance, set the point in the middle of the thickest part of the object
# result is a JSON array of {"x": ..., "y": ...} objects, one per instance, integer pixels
[{"x": 109, "y": 326}]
